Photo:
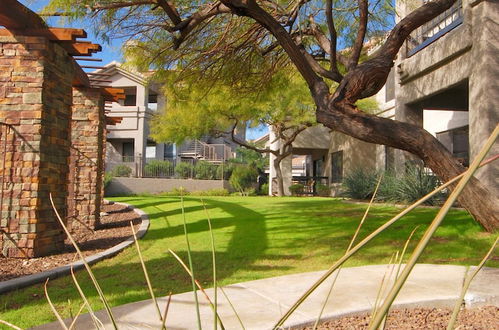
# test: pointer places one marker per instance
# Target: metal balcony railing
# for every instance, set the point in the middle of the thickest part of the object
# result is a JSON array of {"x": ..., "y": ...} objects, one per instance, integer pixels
[{"x": 434, "y": 29}]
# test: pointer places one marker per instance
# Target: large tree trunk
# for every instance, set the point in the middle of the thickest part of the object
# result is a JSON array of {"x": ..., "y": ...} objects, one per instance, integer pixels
[
  {"x": 345, "y": 118},
  {"x": 279, "y": 178}
]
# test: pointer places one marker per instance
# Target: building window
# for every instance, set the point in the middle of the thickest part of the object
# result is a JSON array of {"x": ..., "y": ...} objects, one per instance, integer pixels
[
  {"x": 337, "y": 167},
  {"x": 130, "y": 96}
]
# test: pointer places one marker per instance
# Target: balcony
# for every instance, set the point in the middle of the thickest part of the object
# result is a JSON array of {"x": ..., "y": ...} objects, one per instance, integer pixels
[{"x": 434, "y": 29}]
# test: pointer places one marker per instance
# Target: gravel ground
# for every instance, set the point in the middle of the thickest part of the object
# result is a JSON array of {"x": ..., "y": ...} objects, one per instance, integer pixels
[
  {"x": 486, "y": 318},
  {"x": 114, "y": 228}
]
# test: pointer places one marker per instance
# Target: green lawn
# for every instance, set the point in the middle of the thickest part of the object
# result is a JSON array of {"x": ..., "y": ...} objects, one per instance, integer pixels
[{"x": 256, "y": 237}]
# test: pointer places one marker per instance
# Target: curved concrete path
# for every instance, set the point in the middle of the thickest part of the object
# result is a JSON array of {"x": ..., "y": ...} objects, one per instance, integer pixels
[{"x": 260, "y": 303}]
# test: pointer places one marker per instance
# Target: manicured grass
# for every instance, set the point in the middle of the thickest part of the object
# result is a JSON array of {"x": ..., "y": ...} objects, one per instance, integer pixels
[{"x": 256, "y": 237}]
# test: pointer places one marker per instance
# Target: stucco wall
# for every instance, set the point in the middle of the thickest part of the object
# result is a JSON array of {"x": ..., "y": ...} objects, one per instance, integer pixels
[{"x": 121, "y": 186}]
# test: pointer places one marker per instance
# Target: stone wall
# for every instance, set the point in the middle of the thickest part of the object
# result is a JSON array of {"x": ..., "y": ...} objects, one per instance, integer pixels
[
  {"x": 35, "y": 101},
  {"x": 129, "y": 186},
  {"x": 86, "y": 161}
]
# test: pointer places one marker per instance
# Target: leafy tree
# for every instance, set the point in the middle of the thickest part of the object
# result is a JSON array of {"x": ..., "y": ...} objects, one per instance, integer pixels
[
  {"x": 243, "y": 43},
  {"x": 284, "y": 104}
]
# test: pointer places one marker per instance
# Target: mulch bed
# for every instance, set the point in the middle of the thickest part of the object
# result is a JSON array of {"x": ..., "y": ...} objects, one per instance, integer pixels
[
  {"x": 114, "y": 228},
  {"x": 486, "y": 318}
]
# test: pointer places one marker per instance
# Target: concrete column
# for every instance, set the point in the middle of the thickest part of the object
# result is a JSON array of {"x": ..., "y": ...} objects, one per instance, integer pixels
[
  {"x": 87, "y": 158},
  {"x": 410, "y": 114},
  {"x": 35, "y": 90},
  {"x": 484, "y": 86}
]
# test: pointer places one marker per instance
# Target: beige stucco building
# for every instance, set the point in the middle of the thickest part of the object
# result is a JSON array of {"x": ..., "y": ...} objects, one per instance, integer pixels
[{"x": 446, "y": 79}]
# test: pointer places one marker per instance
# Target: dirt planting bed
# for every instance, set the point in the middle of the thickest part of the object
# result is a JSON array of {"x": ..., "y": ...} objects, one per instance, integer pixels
[
  {"x": 486, "y": 318},
  {"x": 114, "y": 228}
]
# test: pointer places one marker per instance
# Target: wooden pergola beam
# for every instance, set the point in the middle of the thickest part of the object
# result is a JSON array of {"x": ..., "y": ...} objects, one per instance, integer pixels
[
  {"x": 113, "y": 94},
  {"x": 14, "y": 15},
  {"x": 81, "y": 48},
  {"x": 53, "y": 34}
]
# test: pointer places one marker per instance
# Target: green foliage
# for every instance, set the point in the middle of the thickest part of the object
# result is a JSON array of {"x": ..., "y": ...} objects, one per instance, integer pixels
[
  {"x": 297, "y": 189},
  {"x": 180, "y": 191},
  {"x": 406, "y": 188},
  {"x": 211, "y": 192},
  {"x": 264, "y": 190},
  {"x": 184, "y": 170},
  {"x": 214, "y": 107},
  {"x": 415, "y": 184},
  {"x": 322, "y": 190},
  {"x": 243, "y": 178},
  {"x": 206, "y": 170},
  {"x": 225, "y": 170},
  {"x": 359, "y": 183},
  {"x": 158, "y": 168},
  {"x": 108, "y": 177},
  {"x": 121, "y": 170},
  {"x": 251, "y": 157}
]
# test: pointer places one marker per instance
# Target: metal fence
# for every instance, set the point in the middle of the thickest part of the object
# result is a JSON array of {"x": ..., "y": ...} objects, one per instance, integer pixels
[
  {"x": 434, "y": 29},
  {"x": 174, "y": 168}
]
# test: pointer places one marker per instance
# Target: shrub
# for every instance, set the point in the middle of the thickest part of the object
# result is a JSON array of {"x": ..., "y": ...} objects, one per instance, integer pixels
[
  {"x": 121, "y": 170},
  {"x": 360, "y": 183},
  {"x": 415, "y": 184},
  {"x": 206, "y": 170},
  {"x": 183, "y": 170},
  {"x": 108, "y": 177},
  {"x": 264, "y": 190},
  {"x": 323, "y": 190},
  {"x": 158, "y": 168},
  {"x": 296, "y": 189},
  {"x": 243, "y": 177},
  {"x": 211, "y": 192},
  {"x": 387, "y": 191},
  {"x": 180, "y": 191},
  {"x": 225, "y": 171}
]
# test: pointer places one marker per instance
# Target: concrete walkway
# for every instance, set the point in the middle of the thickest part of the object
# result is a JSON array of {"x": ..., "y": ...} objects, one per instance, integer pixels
[{"x": 260, "y": 303}]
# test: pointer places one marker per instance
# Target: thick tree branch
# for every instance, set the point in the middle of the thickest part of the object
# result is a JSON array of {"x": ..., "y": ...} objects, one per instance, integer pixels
[
  {"x": 332, "y": 34},
  {"x": 361, "y": 34},
  {"x": 247, "y": 145},
  {"x": 369, "y": 77},
  {"x": 170, "y": 10},
  {"x": 186, "y": 26}
]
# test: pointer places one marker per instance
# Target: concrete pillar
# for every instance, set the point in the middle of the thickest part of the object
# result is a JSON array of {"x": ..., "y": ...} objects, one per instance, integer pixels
[
  {"x": 410, "y": 114},
  {"x": 484, "y": 86},
  {"x": 87, "y": 158},
  {"x": 35, "y": 101}
]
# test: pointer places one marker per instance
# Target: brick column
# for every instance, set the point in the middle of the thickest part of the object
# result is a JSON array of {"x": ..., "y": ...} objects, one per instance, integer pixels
[
  {"x": 86, "y": 161},
  {"x": 35, "y": 101}
]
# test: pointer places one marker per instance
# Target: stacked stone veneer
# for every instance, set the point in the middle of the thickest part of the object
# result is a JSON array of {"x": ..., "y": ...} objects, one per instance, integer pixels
[
  {"x": 35, "y": 100},
  {"x": 86, "y": 162}
]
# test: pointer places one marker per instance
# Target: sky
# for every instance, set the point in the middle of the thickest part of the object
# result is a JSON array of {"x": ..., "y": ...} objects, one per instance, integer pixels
[{"x": 110, "y": 51}]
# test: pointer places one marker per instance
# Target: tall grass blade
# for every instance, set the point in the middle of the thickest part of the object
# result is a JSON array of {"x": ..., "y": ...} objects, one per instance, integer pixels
[
  {"x": 146, "y": 274},
  {"x": 233, "y": 308},
  {"x": 354, "y": 237},
  {"x": 384, "y": 282},
  {"x": 52, "y": 307},
  {"x": 98, "y": 324},
  {"x": 369, "y": 238},
  {"x": 191, "y": 268},
  {"x": 432, "y": 228},
  {"x": 87, "y": 267},
  {"x": 214, "y": 263},
  {"x": 197, "y": 284},
  {"x": 10, "y": 325},
  {"x": 163, "y": 325},
  {"x": 71, "y": 326},
  {"x": 467, "y": 284}
]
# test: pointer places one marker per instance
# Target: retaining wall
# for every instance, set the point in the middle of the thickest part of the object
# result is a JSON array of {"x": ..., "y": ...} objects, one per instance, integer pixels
[{"x": 123, "y": 186}]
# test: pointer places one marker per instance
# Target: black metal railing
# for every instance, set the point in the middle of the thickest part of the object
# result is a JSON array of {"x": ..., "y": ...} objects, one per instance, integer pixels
[
  {"x": 310, "y": 183},
  {"x": 434, "y": 29}
]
